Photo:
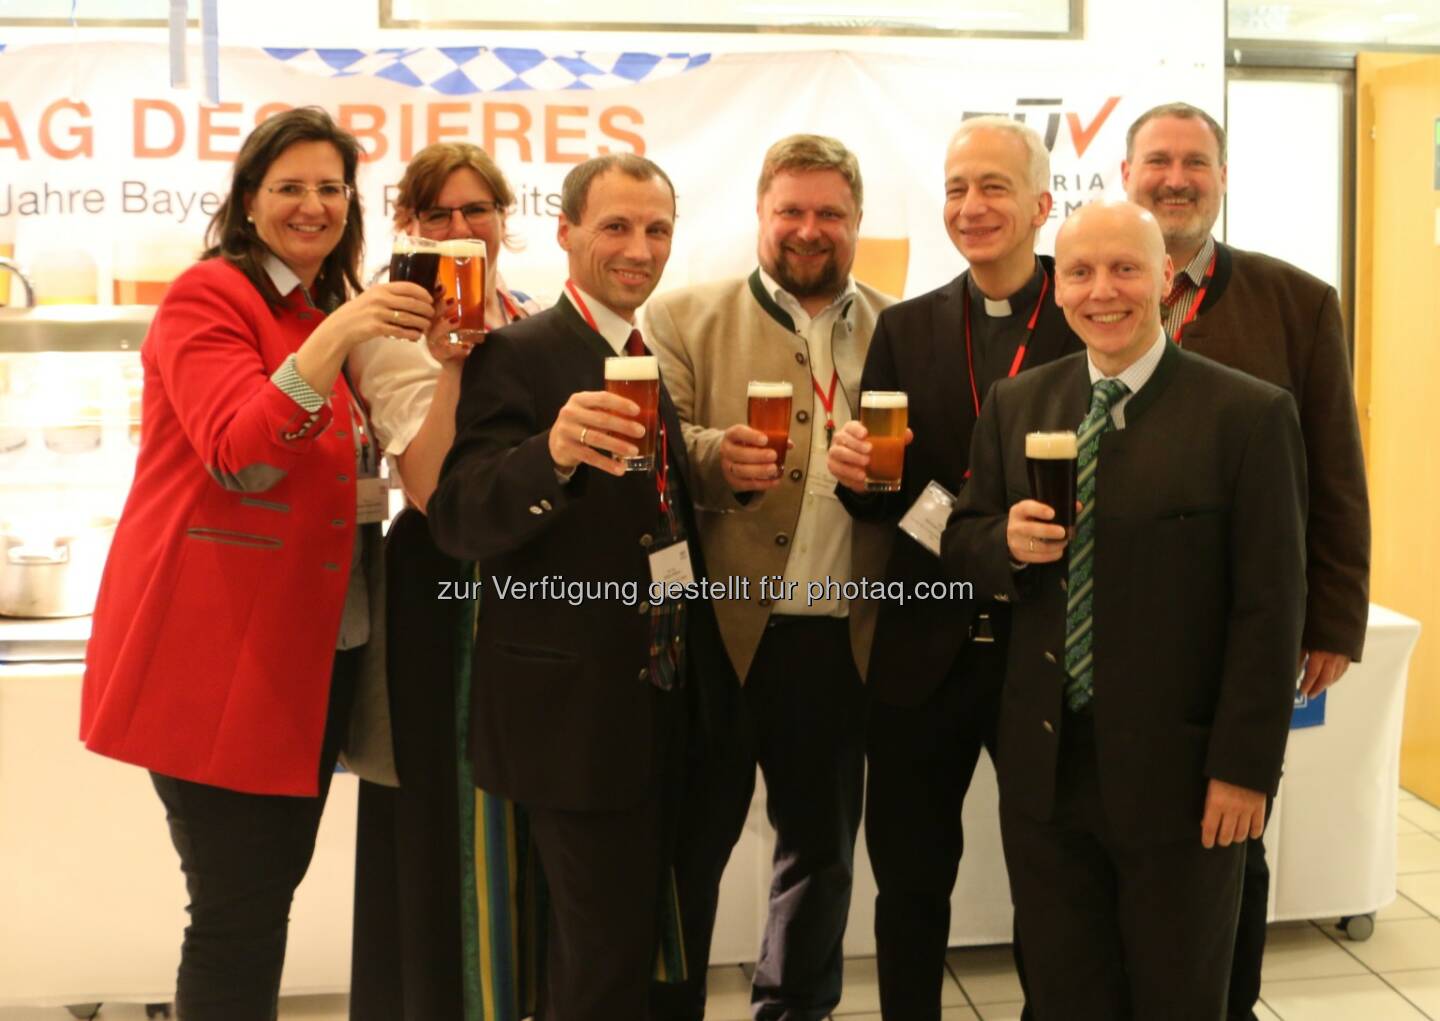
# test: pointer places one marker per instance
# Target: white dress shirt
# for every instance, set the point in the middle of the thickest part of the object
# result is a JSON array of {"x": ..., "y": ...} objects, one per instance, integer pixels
[{"x": 1135, "y": 376}]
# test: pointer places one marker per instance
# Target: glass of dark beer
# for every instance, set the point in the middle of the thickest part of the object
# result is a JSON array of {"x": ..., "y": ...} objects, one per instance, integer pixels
[
  {"x": 415, "y": 259},
  {"x": 885, "y": 415},
  {"x": 637, "y": 378},
  {"x": 769, "y": 413},
  {"x": 1050, "y": 460},
  {"x": 462, "y": 275}
]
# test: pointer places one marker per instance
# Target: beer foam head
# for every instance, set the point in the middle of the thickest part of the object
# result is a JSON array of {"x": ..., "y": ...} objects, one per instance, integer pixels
[
  {"x": 759, "y": 389},
  {"x": 462, "y": 248},
  {"x": 411, "y": 243},
  {"x": 632, "y": 367},
  {"x": 1050, "y": 446},
  {"x": 884, "y": 399}
]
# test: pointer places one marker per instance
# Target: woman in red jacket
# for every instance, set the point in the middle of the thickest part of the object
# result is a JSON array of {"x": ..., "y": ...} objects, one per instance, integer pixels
[{"x": 234, "y": 613}]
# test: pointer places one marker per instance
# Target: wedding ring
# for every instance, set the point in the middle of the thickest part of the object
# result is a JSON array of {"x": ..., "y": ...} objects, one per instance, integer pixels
[
  {"x": 1032, "y": 544},
  {"x": 394, "y": 315},
  {"x": 583, "y": 431}
]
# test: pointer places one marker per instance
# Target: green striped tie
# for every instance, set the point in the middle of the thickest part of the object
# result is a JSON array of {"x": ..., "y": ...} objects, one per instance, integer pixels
[{"x": 1079, "y": 635}]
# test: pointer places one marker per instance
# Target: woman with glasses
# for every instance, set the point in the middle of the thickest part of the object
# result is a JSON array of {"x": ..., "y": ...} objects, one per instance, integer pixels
[
  {"x": 415, "y": 901},
  {"x": 232, "y": 625}
]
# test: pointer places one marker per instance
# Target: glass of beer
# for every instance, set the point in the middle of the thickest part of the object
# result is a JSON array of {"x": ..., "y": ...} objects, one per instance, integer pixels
[
  {"x": 769, "y": 413},
  {"x": 462, "y": 275},
  {"x": 1050, "y": 464},
  {"x": 885, "y": 415},
  {"x": 415, "y": 259},
  {"x": 637, "y": 378}
]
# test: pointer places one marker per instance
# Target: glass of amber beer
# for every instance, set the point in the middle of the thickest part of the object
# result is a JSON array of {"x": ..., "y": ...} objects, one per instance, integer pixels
[
  {"x": 769, "y": 413},
  {"x": 462, "y": 275},
  {"x": 637, "y": 378},
  {"x": 885, "y": 415},
  {"x": 415, "y": 259},
  {"x": 1050, "y": 460}
]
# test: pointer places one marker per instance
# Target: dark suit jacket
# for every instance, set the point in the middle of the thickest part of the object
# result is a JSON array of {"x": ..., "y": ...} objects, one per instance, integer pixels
[
  {"x": 919, "y": 347},
  {"x": 562, "y": 707},
  {"x": 1277, "y": 322},
  {"x": 1199, "y": 588}
]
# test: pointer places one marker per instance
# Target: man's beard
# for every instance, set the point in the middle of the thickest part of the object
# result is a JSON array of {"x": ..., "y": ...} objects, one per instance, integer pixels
[{"x": 825, "y": 283}]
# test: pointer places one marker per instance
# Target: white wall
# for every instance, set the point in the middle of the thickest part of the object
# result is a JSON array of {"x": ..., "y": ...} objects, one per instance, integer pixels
[{"x": 1286, "y": 140}]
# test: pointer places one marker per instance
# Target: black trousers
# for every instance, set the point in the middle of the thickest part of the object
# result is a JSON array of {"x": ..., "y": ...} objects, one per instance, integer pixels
[
  {"x": 921, "y": 760},
  {"x": 243, "y": 855},
  {"x": 1250, "y": 933},
  {"x": 604, "y": 874},
  {"x": 1115, "y": 932},
  {"x": 805, "y": 705}
]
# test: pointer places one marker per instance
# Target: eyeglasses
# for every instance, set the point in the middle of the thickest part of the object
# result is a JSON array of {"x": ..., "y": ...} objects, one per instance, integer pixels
[
  {"x": 474, "y": 213},
  {"x": 331, "y": 193}
]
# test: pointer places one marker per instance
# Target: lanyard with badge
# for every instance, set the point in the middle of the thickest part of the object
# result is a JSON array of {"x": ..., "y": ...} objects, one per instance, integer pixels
[
  {"x": 670, "y": 563},
  {"x": 372, "y": 493},
  {"x": 926, "y": 519},
  {"x": 1199, "y": 297}
]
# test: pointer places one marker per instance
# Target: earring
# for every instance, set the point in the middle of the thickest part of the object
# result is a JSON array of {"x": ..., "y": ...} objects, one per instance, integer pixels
[{"x": 249, "y": 219}]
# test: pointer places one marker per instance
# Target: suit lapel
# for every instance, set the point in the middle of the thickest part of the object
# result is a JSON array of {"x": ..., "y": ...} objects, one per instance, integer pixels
[{"x": 952, "y": 375}]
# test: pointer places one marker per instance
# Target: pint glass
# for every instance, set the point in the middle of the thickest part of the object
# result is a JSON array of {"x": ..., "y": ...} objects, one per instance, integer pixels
[
  {"x": 885, "y": 414},
  {"x": 769, "y": 413},
  {"x": 462, "y": 275},
  {"x": 415, "y": 259},
  {"x": 637, "y": 378},
  {"x": 1050, "y": 464}
]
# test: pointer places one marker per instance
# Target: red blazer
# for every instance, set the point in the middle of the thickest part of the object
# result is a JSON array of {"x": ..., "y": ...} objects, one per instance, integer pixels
[{"x": 216, "y": 623}]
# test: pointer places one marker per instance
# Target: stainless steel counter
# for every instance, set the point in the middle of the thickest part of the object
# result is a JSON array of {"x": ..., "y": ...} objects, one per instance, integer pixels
[{"x": 57, "y": 640}]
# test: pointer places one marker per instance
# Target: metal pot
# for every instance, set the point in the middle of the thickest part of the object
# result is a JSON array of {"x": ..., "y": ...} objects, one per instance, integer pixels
[{"x": 53, "y": 575}]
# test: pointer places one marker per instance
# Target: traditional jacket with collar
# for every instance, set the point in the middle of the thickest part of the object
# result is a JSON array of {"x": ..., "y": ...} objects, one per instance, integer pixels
[
  {"x": 712, "y": 340},
  {"x": 1199, "y": 595},
  {"x": 216, "y": 623},
  {"x": 1279, "y": 323}
]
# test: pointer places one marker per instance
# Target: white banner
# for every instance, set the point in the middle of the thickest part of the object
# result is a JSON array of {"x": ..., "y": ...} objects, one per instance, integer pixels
[{"x": 108, "y": 177}]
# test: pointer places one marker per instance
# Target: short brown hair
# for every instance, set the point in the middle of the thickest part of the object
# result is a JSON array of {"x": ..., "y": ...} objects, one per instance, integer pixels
[
  {"x": 232, "y": 236},
  {"x": 1185, "y": 112},
  {"x": 431, "y": 167},
  {"x": 811, "y": 152},
  {"x": 575, "y": 190}
]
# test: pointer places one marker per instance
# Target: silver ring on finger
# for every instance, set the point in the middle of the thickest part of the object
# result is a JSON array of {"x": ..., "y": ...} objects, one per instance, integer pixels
[
  {"x": 1032, "y": 544},
  {"x": 395, "y": 315},
  {"x": 584, "y": 430}
]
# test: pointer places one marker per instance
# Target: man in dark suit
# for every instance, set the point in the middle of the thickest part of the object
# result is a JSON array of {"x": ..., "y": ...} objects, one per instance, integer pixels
[
  {"x": 1152, "y": 659},
  {"x": 1282, "y": 325},
  {"x": 934, "y": 674},
  {"x": 579, "y": 680}
]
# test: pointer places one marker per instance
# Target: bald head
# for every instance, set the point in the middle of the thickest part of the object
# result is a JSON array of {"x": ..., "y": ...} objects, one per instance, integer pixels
[{"x": 1110, "y": 272}]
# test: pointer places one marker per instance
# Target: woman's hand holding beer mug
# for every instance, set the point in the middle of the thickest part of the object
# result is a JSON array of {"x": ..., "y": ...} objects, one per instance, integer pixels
[
  {"x": 591, "y": 427},
  {"x": 849, "y": 456},
  {"x": 1031, "y": 536},
  {"x": 748, "y": 461}
]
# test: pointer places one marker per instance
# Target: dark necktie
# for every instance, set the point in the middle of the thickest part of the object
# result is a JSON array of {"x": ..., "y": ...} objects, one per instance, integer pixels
[
  {"x": 1079, "y": 608},
  {"x": 634, "y": 345}
]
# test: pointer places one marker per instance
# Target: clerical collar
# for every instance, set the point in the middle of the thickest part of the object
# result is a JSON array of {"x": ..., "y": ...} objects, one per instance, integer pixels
[{"x": 1022, "y": 300}]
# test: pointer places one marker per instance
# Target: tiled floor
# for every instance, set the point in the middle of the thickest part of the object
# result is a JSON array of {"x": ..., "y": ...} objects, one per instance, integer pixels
[{"x": 1312, "y": 971}]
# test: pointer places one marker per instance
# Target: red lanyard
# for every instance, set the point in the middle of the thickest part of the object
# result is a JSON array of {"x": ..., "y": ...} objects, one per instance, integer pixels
[
  {"x": 662, "y": 470},
  {"x": 1199, "y": 297},
  {"x": 827, "y": 401},
  {"x": 1019, "y": 352},
  {"x": 509, "y": 308}
]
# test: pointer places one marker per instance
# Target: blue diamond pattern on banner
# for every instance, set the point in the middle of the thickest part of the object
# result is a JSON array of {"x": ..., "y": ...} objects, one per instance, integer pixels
[{"x": 467, "y": 70}]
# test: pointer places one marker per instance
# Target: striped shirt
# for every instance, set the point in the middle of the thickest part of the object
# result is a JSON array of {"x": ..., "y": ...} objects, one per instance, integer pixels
[{"x": 1175, "y": 306}]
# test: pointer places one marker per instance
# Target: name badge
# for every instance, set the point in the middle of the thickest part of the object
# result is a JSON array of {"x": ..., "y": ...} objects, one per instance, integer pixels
[
  {"x": 372, "y": 501},
  {"x": 672, "y": 564},
  {"x": 925, "y": 520}
]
